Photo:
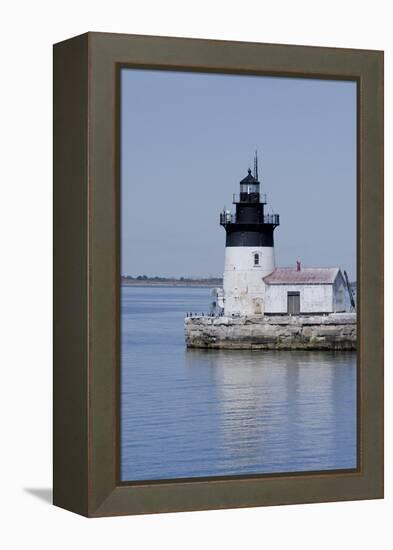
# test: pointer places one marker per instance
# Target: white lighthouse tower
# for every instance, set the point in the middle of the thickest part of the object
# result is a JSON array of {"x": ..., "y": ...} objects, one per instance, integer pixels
[{"x": 249, "y": 251}]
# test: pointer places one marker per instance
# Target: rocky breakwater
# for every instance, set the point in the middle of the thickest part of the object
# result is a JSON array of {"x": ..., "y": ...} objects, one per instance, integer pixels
[{"x": 336, "y": 331}]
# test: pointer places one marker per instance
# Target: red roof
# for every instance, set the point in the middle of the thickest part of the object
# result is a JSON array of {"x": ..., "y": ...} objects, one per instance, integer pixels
[{"x": 306, "y": 275}]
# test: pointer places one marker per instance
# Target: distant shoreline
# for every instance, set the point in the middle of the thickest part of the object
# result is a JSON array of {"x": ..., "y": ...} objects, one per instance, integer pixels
[{"x": 172, "y": 283}]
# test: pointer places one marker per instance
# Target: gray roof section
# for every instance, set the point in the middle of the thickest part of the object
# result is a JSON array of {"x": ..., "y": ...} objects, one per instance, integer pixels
[
  {"x": 249, "y": 178},
  {"x": 306, "y": 276}
]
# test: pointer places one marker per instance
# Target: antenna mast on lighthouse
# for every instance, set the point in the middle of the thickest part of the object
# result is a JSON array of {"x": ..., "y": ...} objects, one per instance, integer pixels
[{"x": 256, "y": 165}]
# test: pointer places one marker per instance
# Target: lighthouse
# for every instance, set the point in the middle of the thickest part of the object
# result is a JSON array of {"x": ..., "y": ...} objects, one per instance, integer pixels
[{"x": 249, "y": 248}]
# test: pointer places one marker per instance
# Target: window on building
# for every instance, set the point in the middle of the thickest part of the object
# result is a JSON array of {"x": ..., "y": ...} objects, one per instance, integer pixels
[{"x": 256, "y": 259}]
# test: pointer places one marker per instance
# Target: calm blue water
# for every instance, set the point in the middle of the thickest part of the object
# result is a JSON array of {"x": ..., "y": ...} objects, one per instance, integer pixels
[{"x": 192, "y": 413}]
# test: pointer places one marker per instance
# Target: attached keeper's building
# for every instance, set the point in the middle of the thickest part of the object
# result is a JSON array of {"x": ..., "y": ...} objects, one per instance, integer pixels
[{"x": 306, "y": 290}]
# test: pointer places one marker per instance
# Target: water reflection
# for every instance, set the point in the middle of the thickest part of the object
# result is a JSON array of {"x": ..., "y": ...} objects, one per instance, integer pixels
[
  {"x": 283, "y": 409},
  {"x": 196, "y": 413}
]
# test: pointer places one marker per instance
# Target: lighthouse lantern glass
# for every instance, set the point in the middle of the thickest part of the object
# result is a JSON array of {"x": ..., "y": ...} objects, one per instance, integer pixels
[{"x": 249, "y": 188}]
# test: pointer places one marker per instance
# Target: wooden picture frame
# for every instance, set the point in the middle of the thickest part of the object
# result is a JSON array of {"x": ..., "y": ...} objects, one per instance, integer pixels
[{"x": 86, "y": 273}]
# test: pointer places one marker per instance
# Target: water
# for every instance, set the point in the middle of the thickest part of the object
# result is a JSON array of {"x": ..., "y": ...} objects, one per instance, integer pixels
[{"x": 196, "y": 413}]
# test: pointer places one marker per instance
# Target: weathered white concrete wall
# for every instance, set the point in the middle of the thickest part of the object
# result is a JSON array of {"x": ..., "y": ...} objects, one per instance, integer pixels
[
  {"x": 244, "y": 289},
  {"x": 336, "y": 331},
  {"x": 313, "y": 298}
]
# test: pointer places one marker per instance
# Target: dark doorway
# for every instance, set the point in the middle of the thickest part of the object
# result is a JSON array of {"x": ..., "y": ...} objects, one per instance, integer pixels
[{"x": 293, "y": 303}]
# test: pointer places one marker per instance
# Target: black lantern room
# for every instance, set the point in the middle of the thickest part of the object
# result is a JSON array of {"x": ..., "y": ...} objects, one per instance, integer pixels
[{"x": 249, "y": 226}]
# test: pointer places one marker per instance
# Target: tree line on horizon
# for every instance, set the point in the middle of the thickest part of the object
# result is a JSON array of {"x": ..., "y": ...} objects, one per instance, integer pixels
[{"x": 158, "y": 278}]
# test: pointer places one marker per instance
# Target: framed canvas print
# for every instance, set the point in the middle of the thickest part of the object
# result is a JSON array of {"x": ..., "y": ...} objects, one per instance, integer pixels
[{"x": 218, "y": 274}]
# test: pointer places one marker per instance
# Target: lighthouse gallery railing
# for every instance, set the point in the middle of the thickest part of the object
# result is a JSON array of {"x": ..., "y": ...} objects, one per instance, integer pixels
[{"x": 228, "y": 217}]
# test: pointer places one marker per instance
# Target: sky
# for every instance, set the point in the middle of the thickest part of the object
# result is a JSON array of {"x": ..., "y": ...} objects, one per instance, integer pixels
[{"x": 187, "y": 139}]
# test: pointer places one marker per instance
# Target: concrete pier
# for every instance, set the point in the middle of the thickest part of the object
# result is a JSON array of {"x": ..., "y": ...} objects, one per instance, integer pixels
[{"x": 335, "y": 331}]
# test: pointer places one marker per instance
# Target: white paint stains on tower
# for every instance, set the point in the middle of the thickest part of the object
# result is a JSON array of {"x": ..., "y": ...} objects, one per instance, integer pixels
[{"x": 249, "y": 252}]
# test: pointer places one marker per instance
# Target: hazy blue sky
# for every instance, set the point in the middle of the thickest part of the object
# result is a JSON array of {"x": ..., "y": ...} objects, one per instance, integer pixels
[{"x": 188, "y": 139}]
